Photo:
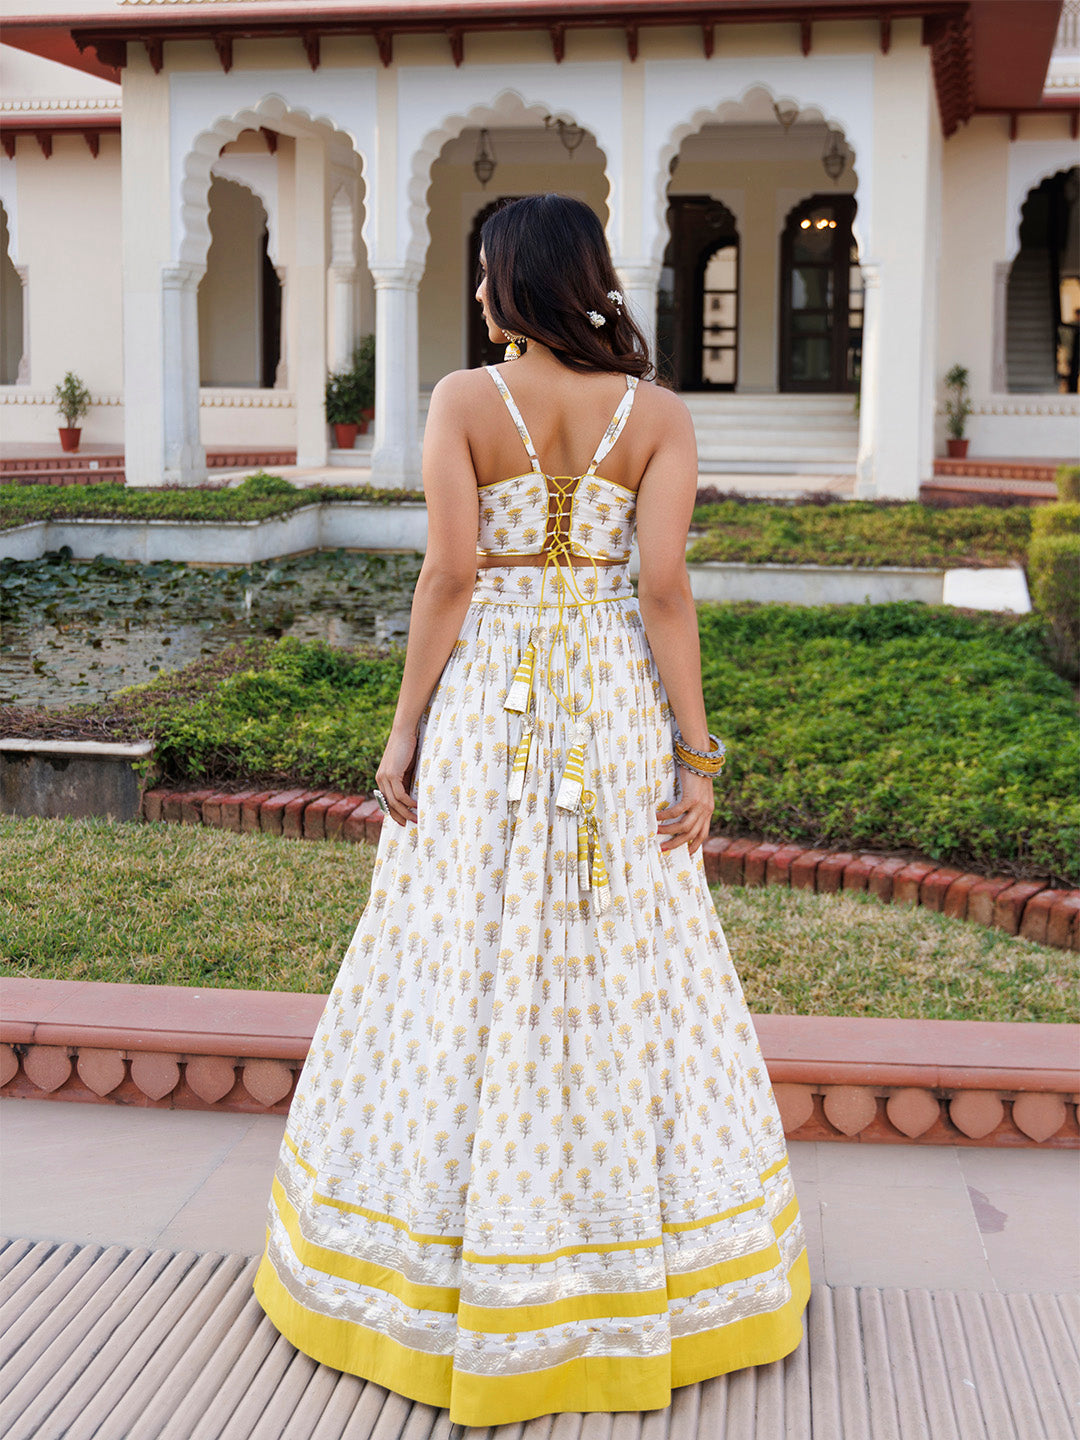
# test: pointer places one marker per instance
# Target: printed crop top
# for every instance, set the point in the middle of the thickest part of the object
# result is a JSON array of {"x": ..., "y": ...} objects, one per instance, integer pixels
[{"x": 593, "y": 514}]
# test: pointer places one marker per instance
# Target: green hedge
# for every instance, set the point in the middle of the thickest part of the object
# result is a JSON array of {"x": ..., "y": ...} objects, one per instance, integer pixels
[
  {"x": 1068, "y": 483},
  {"x": 259, "y": 497},
  {"x": 1054, "y": 577},
  {"x": 749, "y": 529},
  {"x": 861, "y": 532},
  {"x": 899, "y": 726}
]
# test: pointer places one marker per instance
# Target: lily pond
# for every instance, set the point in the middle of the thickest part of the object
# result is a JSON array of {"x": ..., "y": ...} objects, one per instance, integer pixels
[{"x": 75, "y": 630}]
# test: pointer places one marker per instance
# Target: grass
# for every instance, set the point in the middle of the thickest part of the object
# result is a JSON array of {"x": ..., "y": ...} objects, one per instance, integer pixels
[
  {"x": 902, "y": 727},
  {"x": 171, "y": 905},
  {"x": 803, "y": 530}
]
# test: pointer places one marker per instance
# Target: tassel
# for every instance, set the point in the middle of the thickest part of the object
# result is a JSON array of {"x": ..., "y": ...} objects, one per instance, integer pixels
[
  {"x": 517, "y": 697},
  {"x": 521, "y": 760},
  {"x": 582, "y": 853},
  {"x": 573, "y": 780},
  {"x": 601, "y": 888}
]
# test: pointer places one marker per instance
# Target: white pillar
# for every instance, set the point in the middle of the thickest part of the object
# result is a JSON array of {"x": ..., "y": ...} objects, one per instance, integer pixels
[
  {"x": 309, "y": 302},
  {"x": 633, "y": 228},
  {"x": 281, "y": 374},
  {"x": 396, "y": 457},
  {"x": 183, "y": 456},
  {"x": 22, "y": 376},
  {"x": 152, "y": 307},
  {"x": 869, "y": 385},
  {"x": 638, "y": 283},
  {"x": 343, "y": 296},
  {"x": 894, "y": 421}
]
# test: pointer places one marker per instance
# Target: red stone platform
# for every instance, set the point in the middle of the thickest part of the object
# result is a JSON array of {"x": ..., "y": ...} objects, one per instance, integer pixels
[{"x": 938, "y": 1082}]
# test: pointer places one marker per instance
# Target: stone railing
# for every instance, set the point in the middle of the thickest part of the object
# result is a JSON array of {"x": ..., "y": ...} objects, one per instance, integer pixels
[{"x": 935, "y": 1082}]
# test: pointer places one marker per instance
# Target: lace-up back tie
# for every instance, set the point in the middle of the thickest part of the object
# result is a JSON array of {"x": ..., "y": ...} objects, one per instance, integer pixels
[{"x": 566, "y": 516}]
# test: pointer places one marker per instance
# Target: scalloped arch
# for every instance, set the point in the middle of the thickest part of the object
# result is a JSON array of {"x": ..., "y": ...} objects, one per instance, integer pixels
[
  {"x": 259, "y": 191},
  {"x": 508, "y": 107},
  {"x": 727, "y": 110},
  {"x": 1051, "y": 173},
  {"x": 272, "y": 109},
  {"x": 8, "y": 199}
]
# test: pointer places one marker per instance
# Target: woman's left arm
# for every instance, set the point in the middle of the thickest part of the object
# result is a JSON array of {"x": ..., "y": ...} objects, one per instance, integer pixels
[{"x": 445, "y": 584}]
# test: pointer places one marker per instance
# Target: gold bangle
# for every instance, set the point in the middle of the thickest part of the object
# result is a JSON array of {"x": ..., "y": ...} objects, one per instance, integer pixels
[{"x": 701, "y": 762}]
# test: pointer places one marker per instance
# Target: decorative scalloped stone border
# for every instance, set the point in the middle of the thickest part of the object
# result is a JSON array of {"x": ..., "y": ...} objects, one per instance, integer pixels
[
  {"x": 1027, "y": 908},
  {"x": 934, "y": 1082}
]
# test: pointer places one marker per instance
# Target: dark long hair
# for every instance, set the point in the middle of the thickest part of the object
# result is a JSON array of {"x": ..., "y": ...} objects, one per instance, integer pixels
[{"x": 548, "y": 264}]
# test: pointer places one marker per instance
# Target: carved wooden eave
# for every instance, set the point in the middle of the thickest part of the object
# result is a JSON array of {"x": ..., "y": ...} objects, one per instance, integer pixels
[
  {"x": 44, "y": 129},
  {"x": 987, "y": 55}
]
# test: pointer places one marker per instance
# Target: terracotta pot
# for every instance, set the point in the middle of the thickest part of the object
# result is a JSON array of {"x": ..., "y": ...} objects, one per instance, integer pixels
[
  {"x": 364, "y": 423},
  {"x": 368, "y": 413},
  {"x": 69, "y": 436},
  {"x": 345, "y": 436},
  {"x": 957, "y": 448}
]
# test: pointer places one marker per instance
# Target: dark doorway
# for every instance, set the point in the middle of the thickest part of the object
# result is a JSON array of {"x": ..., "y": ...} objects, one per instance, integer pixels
[
  {"x": 270, "y": 339},
  {"x": 820, "y": 298},
  {"x": 697, "y": 318},
  {"x": 1042, "y": 327},
  {"x": 481, "y": 350}
]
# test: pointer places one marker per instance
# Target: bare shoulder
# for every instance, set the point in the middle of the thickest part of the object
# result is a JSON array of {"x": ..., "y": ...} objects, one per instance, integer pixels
[
  {"x": 665, "y": 412},
  {"x": 460, "y": 392}
]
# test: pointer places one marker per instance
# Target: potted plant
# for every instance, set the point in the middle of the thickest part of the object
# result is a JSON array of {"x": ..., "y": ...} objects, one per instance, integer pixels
[
  {"x": 957, "y": 407},
  {"x": 343, "y": 408},
  {"x": 363, "y": 364},
  {"x": 72, "y": 399}
]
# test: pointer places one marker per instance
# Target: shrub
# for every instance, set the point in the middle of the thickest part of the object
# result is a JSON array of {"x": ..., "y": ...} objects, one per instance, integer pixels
[
  {"x": 262, "y": 484},
  {"x": 1054, "y": 577},
  {"x": 1068, "y": 483}
]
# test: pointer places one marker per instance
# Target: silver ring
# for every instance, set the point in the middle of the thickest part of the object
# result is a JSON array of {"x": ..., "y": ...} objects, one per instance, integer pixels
[{"x": 380, "y": 798}]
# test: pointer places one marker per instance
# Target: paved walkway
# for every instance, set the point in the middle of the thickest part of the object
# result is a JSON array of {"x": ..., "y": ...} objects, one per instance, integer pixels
[{"x": 945, "y": 1303}]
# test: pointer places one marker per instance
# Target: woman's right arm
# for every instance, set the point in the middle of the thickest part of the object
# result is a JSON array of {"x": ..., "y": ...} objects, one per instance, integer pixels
[{"x": 665, "y": 506}]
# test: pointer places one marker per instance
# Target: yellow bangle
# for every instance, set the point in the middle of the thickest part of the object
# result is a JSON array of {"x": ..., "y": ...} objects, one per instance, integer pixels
[{"x": 701, "y": 762}]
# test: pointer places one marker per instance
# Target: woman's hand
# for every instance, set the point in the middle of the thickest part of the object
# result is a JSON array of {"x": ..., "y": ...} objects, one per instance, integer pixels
[
  {"x": 689, "y": 817},
  {"x": 394, "y": 775}
]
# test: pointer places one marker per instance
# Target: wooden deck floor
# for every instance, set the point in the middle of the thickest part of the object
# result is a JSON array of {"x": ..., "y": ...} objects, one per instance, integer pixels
[{"x": 116, "y": 1343}]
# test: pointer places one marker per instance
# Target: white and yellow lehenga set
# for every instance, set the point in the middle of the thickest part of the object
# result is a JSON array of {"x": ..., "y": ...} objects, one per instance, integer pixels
[{"x": 533, "y": 1162}]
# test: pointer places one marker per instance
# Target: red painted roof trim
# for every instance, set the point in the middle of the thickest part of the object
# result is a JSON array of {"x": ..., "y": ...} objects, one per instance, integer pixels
[{"x": 986, "y": 53}]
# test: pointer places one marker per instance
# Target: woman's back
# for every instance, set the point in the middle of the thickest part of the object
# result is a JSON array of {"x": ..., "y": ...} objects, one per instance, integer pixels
[{"x": 566, "y": 414}]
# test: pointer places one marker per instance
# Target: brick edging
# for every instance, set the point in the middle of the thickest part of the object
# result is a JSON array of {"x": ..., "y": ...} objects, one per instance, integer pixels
[
  {"x": 933, "y": 1082},
  {"x": 1028, "y": 908}
]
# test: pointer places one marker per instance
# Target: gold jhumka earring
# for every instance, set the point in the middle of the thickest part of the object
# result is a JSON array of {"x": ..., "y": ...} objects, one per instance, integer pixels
[{"x": 513, "y": 350}]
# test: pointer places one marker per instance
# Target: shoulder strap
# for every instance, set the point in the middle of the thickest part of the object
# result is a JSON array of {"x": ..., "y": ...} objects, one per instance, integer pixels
[
  {"x": 618, "y": 420},
  {"x": 515, "y": 415}
]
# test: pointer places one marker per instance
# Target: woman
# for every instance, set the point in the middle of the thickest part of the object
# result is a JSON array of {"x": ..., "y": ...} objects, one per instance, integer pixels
[{"x": 533, "y": 1162}]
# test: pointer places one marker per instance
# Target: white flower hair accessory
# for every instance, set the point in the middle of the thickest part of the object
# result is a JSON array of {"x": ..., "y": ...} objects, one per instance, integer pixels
[
  {"x": 615, "y": 296},
  {"x": 595, "y": 318}
]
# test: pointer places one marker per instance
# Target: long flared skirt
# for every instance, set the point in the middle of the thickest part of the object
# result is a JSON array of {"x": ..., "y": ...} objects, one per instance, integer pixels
[{"x": 533, "y": 1162}]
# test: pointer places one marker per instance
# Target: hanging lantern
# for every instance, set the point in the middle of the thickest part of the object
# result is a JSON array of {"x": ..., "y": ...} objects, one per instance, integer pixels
[
  {"x": 571, "y": 136},
  {"x": 835, "y": 157},
  {"x": 484, "y": 160},
  {"x": 787, "y": 113}
]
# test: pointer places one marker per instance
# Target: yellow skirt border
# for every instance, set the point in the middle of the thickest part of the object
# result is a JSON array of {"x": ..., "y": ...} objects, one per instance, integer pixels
[{"x": 601, "y": 1383}]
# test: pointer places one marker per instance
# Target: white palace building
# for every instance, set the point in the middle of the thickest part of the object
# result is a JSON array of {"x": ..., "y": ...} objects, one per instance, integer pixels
[{"x": 816, "y": 209}]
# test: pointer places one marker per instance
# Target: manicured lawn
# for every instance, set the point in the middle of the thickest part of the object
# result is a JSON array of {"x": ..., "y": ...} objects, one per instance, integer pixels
[{"x": 157, "y": 904}]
